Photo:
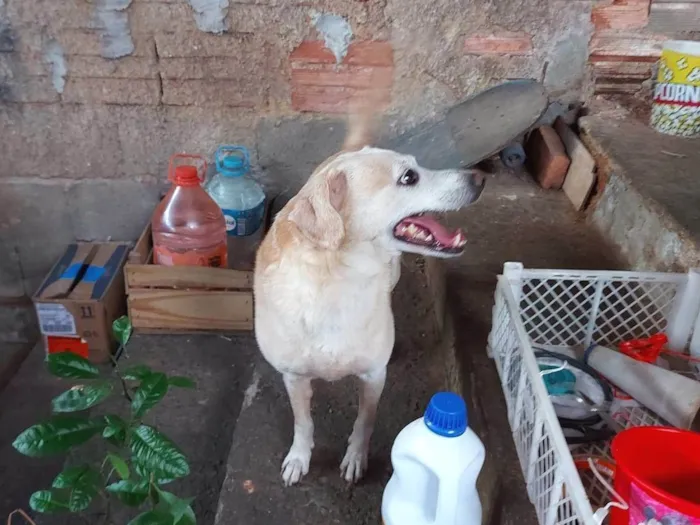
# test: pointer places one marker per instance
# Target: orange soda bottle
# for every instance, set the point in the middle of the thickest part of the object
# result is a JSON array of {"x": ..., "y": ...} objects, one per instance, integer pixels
[{"x": 188, "y": 227}]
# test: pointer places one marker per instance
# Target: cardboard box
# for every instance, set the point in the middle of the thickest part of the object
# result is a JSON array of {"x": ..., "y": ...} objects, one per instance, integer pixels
[{"x": 81, "y": 297}]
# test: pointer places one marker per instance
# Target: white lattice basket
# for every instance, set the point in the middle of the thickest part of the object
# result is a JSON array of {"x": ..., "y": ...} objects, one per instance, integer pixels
[{"x": 560, "y": 310}]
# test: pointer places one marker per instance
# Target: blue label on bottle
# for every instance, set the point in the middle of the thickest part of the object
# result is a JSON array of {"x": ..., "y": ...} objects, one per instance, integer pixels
[{"x": 244, "y": 222}]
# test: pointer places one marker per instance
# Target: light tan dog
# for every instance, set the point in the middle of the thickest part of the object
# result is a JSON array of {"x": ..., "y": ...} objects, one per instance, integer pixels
[{"x": 325, "y": 271}]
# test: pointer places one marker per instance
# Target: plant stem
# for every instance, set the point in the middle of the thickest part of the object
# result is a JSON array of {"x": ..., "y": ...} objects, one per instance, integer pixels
[{"x": 125, "y": 388}]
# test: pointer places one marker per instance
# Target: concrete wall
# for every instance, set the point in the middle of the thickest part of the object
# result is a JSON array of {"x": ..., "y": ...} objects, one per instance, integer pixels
[{"x": 95, "y": 95}]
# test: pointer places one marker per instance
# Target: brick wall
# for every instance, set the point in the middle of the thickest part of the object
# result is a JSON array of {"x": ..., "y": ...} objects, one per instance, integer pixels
[{"x": 86, "y": 138}]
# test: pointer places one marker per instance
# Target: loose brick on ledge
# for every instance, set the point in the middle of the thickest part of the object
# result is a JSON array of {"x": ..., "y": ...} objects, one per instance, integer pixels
[
  {"x": 363, "y": 53},
  {"x": 499, "y": 44},
  {"x": 112, "y": 91},
  {"x": 621, "y": 16},
  {"x": 547, "y": 158},
  {"x": 213, "y": 93}
]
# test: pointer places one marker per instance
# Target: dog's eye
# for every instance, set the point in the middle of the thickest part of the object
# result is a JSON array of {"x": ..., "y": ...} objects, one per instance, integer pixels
[{"x": 409, "y": 178}]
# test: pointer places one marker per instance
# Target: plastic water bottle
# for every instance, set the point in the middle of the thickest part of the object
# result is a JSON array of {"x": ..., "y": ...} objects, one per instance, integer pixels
[
  {"x": 436, "y": 461},
  {"x": 240, "y": 198},
  {"x": 188, "y": 227}
]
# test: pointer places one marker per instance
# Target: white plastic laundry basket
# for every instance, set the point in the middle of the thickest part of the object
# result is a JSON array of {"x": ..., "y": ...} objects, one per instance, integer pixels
[{"x": 558, "y": 310}]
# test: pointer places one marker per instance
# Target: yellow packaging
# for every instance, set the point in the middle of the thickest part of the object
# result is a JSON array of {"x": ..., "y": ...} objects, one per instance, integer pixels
[{"x": 676, "y": 106}]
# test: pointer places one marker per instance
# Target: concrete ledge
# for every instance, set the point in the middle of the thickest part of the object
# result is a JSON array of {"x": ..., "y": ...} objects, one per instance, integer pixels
[{"x": 648, "y": 206}]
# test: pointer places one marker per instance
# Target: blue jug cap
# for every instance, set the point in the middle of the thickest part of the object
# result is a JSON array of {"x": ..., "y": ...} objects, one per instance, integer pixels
[
  {"x": 232, "y": 161},
  {"x": 446, "y": 415}
]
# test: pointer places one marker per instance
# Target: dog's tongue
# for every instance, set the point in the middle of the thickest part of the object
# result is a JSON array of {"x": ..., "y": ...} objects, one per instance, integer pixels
[{"x": 442, "y": 234}]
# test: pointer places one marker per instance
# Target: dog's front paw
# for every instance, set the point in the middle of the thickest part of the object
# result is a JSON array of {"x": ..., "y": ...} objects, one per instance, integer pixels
[
  {"x": 354, "y": 463},
  {"x": 295, "y": 466}
]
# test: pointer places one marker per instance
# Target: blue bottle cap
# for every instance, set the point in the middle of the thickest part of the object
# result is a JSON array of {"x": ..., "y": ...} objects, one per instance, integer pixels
[
  {"x": 446, "y": 415},
  {"x": 233, "y": 165}
]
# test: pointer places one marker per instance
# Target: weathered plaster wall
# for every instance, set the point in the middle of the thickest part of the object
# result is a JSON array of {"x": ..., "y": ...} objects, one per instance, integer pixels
[{"x": 96, "y": 95}]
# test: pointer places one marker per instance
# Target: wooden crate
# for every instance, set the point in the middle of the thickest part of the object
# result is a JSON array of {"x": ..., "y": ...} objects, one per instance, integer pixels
[{"x": 185, "y": 299}]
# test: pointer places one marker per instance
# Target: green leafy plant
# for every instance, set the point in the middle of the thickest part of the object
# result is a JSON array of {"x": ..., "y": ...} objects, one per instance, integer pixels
[{"x": 140, "y": 459}]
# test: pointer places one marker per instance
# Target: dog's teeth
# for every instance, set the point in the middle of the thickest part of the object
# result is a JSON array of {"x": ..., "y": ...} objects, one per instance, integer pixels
[
  {"x": 412, "y": 229},
  {"x": 429, "y": 238},
  {"x": 420, "y": 235},
  {"x": 459, "y": 241}
]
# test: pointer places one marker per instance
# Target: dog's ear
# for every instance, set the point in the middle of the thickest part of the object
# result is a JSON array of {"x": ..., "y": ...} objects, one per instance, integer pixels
[{"x": 318, "y": 215}]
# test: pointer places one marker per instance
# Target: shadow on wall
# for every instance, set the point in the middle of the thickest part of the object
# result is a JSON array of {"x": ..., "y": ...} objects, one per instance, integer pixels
[{"x": 38, "y": 217}]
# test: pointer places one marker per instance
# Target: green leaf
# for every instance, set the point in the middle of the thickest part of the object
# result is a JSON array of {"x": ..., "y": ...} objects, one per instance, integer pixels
[
  {"x": 119, "y": 465},
  {"x": 151, "y": 390},
  {"x": 83, "y": 483},
  {"x": 132, "y": 493},
  {"x": 57, "y": 435},
  {"x": 158, "y": 477},
  {"x": 188, "y": 518},
  {"x": 152, "y": 517},
  {"x": 48, "y": 501},
  {"x": 122, "y": 329},
  {"x": 71, "y": 366},
  {"x": 81, "y": 397},
  {"x": 72, "y": 476},
  {"x": 181, "y": 382},
  {"x": 137, "y": 373},
  {"x": 156, "y": 454},
  {"x": 115, "y": 430},
  {"x": 178, "y": 508}
]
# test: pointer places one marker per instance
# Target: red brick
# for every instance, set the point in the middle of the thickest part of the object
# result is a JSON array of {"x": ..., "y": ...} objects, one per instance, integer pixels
[
  {"x": 112, "y": 91},
  {"x": 363, "y": 53},
  {"x": 547, "y": 158},
  {"x": 33, "y": 89},
  {"x": 499, "y": 44},
  {"x": 348, "y": 76},
  {"x": 625, "y": 16},
  {"x": 242, "y": 94},
  {"x": 628, "y": 48},
  {"x": 329, "y": 99}
]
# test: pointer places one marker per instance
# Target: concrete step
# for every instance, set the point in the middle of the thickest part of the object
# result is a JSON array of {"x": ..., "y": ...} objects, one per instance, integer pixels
[
  {"x": 648, "y": 192},
  {"x": 253, "y": 492}
]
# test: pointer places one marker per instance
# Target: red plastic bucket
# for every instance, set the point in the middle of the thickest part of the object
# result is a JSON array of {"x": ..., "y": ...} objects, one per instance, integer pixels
[{"x": 658, "y": 475}]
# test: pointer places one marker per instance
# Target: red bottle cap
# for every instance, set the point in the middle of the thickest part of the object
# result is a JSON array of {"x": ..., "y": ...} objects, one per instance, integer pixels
[{"x": 186, "y": 176}]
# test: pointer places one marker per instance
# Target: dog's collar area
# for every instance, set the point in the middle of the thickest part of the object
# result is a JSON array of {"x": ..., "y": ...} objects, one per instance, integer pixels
[{"x": 424, "y": 230}]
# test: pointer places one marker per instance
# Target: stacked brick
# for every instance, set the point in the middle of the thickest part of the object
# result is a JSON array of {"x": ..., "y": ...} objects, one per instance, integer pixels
[{"x": 628, "y": 36}]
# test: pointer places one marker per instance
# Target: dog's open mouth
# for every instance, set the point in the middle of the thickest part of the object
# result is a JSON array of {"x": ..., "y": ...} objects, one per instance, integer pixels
[{"x": 424, "y": 230}]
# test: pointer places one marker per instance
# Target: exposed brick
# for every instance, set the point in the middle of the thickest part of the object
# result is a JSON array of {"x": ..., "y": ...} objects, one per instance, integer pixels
[
  {"x": 157, "y": 17},
  {"x": 349, "y": 76},
  {"x": 214, "y": 67},
  {"x": 87, "y": 43},
  {"x": 320, "y": 85},
  {"x": 328, "y": 99},
  {"x": 82, "y": 66},
  {"x": 199, "y": 44},
  {"x": 112, "y": 91},
  {"x": 63, "y": 14},
  {"x": 364, "y": 53},
  {"x": 499, "y": 44},
  {"x": 624, "y": 47},
  {"x": 213, "y": 93},
  {"x": 547, "y": 158},
  {"x": 617, "y": 16}
]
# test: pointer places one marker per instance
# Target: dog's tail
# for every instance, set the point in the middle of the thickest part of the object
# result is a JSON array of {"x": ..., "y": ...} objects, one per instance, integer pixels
[{"x": 363, "y": 112}]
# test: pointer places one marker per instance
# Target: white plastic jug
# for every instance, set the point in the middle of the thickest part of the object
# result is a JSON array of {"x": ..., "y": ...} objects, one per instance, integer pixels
[{"x": 436, "y": 461}]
